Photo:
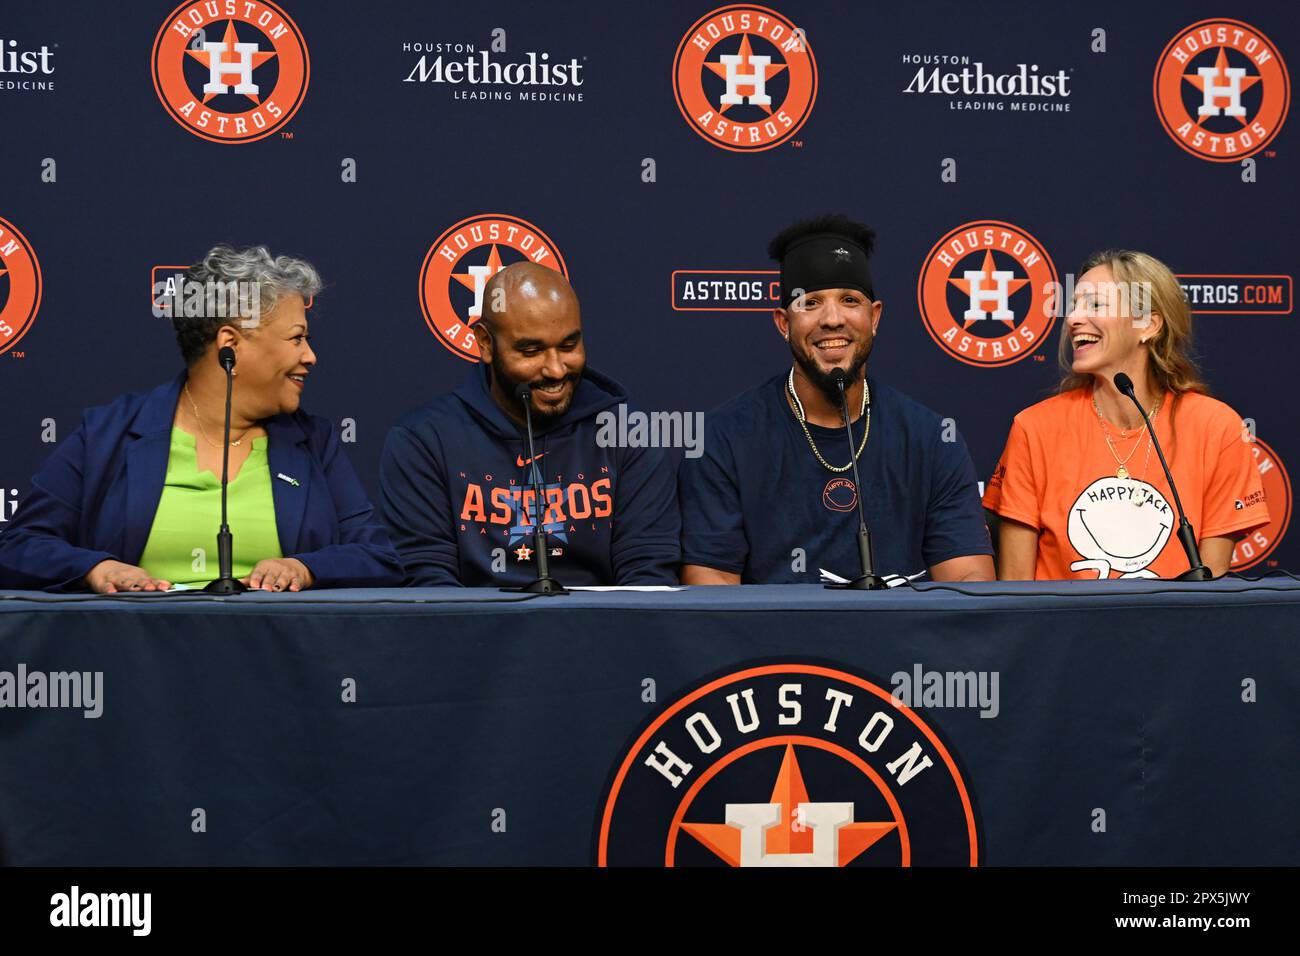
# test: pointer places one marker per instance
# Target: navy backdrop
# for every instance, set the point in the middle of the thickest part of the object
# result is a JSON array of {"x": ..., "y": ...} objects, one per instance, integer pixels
[{"x": 133, "y": 189}]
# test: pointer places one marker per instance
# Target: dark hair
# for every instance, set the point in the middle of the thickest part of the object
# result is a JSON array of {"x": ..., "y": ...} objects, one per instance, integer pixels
[{"x": 833, "y": 223}]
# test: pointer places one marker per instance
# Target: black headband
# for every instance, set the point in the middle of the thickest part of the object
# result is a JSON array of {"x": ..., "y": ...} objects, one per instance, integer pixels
[{"x": 824, "y": 261}]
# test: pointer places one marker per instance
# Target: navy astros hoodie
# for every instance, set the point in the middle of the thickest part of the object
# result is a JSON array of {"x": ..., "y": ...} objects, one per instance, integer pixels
[{"x": 457, "y": 494}]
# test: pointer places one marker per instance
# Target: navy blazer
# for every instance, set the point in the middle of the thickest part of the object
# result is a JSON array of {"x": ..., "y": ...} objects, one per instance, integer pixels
[{"x": 95, "y": 498}]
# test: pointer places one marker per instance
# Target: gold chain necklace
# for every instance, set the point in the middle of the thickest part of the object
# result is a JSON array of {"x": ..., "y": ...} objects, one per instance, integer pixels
[
  {"x": 203, "y": 431},
  {"x": 799, "y": 415},
  {"x": 1122, "y": 471}
]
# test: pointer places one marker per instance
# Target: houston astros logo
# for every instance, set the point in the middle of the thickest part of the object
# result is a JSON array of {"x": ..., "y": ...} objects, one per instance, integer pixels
[
  {"x": 231, "y": 71},
  {"x": 20, "y": 286},
  {"x": 745, "y": 78},
  {"x": 459, "y": 264},
  {"x": 1262, "y": 542},
  {"x": 791, "y": 764},
  {"x": 1221, "y": 90},
  {"x": 986, "y": 293}
]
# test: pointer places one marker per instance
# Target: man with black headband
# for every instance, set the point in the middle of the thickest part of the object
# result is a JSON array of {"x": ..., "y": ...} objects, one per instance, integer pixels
[
  {"x": 456, "y": 479},
  {"x": 772, "y": 499}
]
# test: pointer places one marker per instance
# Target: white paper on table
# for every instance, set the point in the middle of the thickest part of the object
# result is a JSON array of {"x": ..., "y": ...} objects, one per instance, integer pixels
[
  {"x": 627, "y": 587},
  {"x": 172, "y": 590},
  {"x": 829, "y": 577},
  {"x": 892, "y": 580}
]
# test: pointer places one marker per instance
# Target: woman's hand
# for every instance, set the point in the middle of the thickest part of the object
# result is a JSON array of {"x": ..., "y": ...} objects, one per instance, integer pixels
[
  {"x": 279, "y": 574},
  {"x": 1017, "y": 551},
  {"x": 1216, "y": 554},
  {"x": 110, "y": 577}
]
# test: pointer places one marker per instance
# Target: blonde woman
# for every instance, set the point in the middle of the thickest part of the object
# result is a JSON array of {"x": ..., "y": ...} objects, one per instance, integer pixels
[{"x": 1079, "y": 486}]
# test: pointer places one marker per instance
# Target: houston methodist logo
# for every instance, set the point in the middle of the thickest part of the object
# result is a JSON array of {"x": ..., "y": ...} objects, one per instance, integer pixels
[
  {"x": 1262, "y": 542},
  {"x": 459, "y": 264},
  {"x": 20, "y": 286},
  {"x": 1221, "y": 90},
  {"x": 231, "y": 71},
  {"x": 986, "y": 293},
  {"x": 745, "y": 78},
  {"x": 790, "y": 764}
]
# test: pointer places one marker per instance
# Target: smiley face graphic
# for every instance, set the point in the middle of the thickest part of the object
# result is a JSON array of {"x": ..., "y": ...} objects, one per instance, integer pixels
[{"x": 1119, "y": 524}]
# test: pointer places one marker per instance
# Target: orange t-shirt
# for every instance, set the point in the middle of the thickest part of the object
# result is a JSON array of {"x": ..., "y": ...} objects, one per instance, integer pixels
[{"x": 1057, "y": 474}]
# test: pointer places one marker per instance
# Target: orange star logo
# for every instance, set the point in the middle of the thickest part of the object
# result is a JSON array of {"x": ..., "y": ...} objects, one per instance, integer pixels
[
  {"x": 790, "y": 836},
  {"x": 745, "y": 89},
  {"x": 523, "y": 553},
  {"x": 1220, "y": 78},
  {"x": 987, "y": 268},
  {"x": 226, "y": 60},
  {"x": 475, "y": 282}
]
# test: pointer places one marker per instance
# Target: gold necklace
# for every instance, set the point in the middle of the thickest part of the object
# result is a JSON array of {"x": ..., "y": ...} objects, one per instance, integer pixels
[
  {"x": 203, "y": 431},
  {"x": 1122, "y": 471},
  {"x": 799, "y": 415}
]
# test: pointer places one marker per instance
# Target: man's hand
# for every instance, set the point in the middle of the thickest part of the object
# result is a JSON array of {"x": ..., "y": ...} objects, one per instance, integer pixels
[
  {"x": 110, "y": 577},
  {"x": 279, "y": 574},
  {"x": 699, "y": 574},
  {"x": 972, "y": 567}
]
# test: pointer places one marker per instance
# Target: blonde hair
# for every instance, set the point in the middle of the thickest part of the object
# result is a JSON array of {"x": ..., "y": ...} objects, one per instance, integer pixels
[{"x": 1169, "y": 350}]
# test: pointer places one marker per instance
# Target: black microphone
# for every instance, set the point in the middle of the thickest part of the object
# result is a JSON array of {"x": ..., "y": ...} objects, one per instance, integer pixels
[
  {"x": 545, "y": 584},
  {"x": 868, "y": 580},
  {"x": 1197, "y": 570},
  {"x": 226, "y": 582}
]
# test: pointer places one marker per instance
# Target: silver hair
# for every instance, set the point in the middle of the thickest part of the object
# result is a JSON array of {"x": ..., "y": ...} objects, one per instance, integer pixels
[{"x": 239, "y": 283}]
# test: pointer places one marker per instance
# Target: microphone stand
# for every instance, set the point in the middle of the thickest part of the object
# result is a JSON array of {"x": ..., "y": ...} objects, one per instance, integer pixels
[
  {"x": 545, "y": 584},
  {"x": 868, "y": 580},
  {"x": 226, "y": 583},
  {"x": 1197, "y": 570}
]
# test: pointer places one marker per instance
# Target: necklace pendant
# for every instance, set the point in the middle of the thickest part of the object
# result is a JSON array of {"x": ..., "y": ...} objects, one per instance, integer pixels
[{"x": 1121, "y": 472}]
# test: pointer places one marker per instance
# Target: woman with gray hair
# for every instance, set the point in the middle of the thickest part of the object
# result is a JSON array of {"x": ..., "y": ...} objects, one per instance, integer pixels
[{"x": 131, "y": 500}]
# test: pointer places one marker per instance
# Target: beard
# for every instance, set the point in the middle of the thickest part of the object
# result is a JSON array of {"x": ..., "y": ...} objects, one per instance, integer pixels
[
  {"x": 825, "y": 379},
  {"x": 509, "y": 384}
]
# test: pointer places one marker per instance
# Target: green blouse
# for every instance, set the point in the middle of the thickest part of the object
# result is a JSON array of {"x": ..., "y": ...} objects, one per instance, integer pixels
[{"x": 189, "y": 514}]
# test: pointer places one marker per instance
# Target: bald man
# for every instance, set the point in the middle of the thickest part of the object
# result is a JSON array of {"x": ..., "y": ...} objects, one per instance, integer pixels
[{"x": 456, "y": 480}]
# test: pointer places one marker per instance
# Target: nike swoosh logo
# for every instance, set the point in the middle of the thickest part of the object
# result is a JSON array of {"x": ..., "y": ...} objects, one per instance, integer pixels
[{"x": 521, "y": 461}]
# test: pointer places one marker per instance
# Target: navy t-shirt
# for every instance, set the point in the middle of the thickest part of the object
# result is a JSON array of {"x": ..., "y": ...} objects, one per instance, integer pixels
[{"x": 757, "y": 497}]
